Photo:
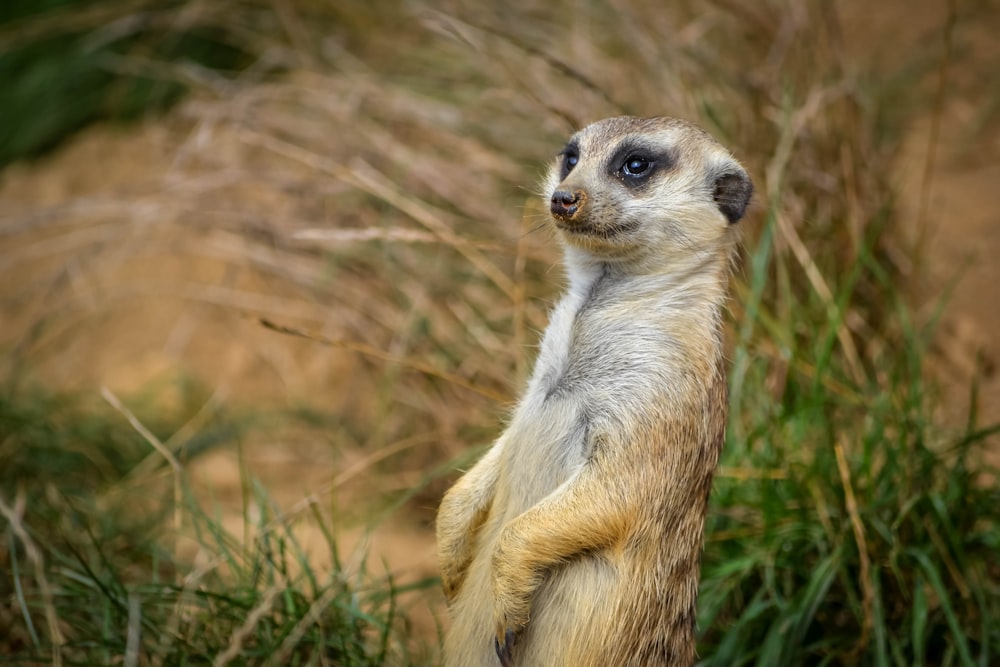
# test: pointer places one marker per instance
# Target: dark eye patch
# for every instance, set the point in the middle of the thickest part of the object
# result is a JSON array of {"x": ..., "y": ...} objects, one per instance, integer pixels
[{"x": 570, "y": 158}]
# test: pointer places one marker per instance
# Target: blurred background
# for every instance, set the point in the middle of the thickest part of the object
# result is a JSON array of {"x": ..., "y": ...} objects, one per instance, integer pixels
[{"x": 273, "y": 271}]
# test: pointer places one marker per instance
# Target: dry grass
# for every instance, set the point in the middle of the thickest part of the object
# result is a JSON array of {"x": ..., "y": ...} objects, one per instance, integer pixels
[{"x": 375, "y": 192}]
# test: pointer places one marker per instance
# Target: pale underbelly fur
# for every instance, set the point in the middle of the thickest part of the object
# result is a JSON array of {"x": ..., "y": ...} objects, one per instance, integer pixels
[{"x": 540, "y": 453}]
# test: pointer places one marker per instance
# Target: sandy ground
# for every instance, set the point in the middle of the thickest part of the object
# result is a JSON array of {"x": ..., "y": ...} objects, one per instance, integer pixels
[{"x": 945, "y": 173}]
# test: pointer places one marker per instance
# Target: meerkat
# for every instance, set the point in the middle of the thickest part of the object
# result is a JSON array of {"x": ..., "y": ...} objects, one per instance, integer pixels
[{"x": 576, "y": 540}]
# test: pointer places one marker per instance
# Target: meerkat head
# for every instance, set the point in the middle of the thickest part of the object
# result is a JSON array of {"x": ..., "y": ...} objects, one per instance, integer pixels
[{"x": 627, "y": 187}]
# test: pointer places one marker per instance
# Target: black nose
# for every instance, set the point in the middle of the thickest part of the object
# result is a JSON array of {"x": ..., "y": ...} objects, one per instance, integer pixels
[{"x": 565, "y": 204}]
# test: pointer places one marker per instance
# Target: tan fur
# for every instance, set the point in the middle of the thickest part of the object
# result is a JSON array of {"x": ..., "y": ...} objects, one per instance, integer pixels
[{"x": 581, "y": 529}]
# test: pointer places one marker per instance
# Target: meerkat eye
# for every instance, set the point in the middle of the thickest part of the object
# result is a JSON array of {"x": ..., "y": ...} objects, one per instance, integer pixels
[
  {"x": 569, "y": 161},
  {"x": 636, "y": 165}
]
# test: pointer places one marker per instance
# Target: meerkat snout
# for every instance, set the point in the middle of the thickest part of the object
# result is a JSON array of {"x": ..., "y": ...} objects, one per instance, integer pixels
[{"x": 565, "y": 204}]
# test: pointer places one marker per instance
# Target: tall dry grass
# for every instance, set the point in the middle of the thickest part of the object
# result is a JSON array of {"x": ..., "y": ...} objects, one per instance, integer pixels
[{"x": 371, "y": 179}]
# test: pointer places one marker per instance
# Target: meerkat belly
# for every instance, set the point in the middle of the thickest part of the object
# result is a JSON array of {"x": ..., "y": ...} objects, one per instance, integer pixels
[
  {"x": 588, "y": 386},
  {"x": 544, "y": 450}
]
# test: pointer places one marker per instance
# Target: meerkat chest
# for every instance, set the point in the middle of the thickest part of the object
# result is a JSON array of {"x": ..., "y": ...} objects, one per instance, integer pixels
[
  {"x": 598, "y": 365},
  {"x": 602, "y": 359}
]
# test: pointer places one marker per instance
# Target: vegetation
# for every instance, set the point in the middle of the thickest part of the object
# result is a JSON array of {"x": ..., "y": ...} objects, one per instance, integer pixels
[
  {"x": 376, "y": 143},
  {"x": 96, "y": 551},
  {"x": 67, "y": 63},
  {"x": 849, "y": 530}
]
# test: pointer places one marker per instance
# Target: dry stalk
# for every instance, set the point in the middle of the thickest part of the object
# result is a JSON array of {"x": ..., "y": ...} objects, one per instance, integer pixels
[
  {"x": 375, "y": 183},
  {"x": 294, "y": 28},
  {"x": 67, "y": 242},
  {"x": 949, "y": 562},
  {"x": 173, "y": 623},
  {"x": 776, "y": 169},
  {"x": 133, "y": 638},
  {"x": 376, "y": 353},
  {"x": 741, "y": 473},
  {"x": 864, "y": 576},
  {"x": 341, "y": 236},
  {"x": 147, "y": 435},
  {"x": 822, "y": 510},
  {"x": 369, "y": 180},
  {"x": 310, "y": 618},
  {"x": 15, "y": 517},
  {"x": 146, "y": 466},
  {"x": 815, "y": 276},
  {"x": 309, "y": 502},
  {"x": 249, "y": 625}
]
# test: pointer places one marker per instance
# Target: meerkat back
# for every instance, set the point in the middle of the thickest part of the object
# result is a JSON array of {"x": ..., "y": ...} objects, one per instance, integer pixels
[{"x": 576, "y": 540}]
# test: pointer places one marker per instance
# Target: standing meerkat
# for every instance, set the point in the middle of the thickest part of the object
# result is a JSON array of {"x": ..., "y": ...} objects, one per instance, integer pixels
[{"x": 576, "y": 540}]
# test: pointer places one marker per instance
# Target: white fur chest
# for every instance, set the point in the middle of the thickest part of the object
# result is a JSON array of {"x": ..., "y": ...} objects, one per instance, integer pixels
[{"x": 602, "y": 361}]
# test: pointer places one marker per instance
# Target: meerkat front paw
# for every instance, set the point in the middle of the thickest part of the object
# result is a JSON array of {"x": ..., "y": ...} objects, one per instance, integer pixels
[
  {"x": 505, "y": 648},
  {"x": 509, "y": 620},
  {"x": 514, "y": 581}
]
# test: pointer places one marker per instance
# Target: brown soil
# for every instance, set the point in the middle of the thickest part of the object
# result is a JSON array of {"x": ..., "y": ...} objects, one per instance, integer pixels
[{"x": 947, "y": 166}]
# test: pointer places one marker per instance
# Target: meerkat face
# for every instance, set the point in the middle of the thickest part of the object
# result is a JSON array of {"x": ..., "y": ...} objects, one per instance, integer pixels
[{"x": 627, "y": 186}]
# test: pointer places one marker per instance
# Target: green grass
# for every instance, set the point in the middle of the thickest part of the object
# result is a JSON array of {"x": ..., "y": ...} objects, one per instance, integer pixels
[
  {"x": 847, "y": 526},
  {"x": 66, "y": 64},
  {"x": 96, "y": 574}
]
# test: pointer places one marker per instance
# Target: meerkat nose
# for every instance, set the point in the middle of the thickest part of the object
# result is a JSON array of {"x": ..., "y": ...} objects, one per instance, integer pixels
[{"x": 565, "y": 204}]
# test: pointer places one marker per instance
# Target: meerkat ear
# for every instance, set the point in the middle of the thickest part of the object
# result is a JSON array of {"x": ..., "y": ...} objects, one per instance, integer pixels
[{"x": 732, "y": 194}]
